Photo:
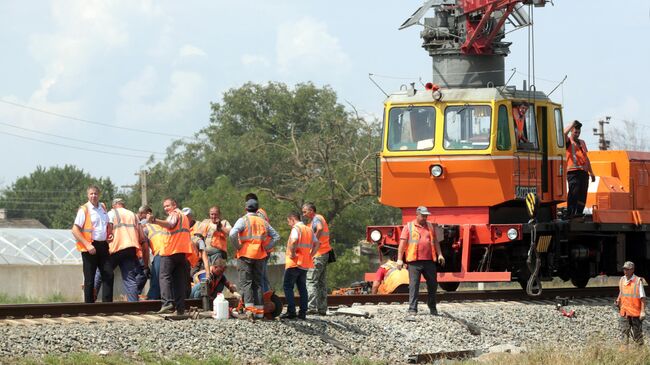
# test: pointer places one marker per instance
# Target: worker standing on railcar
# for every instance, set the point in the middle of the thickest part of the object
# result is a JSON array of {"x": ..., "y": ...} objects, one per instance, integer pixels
[
  {"x": 578, "y": 170},
  {"x": 422, "y": 249},
  {"x": 174, "y": 267},
  {"x": 90, "y": 230},
  {"x": 124, "y": 242},
  {"x": 247, "y": 237},
  {"x": 519, "y": 117},
  {"x": 631, "y": 302},
  {"x": 301, "y": 249},
  {"x": 317, "y": 276}
]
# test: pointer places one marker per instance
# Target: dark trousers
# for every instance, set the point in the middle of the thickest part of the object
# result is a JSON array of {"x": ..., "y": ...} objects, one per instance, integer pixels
[
  {"x": 631, "y": 327},
  {"x": 154, "y": 283},
  {"x": 250, "y": 280},
  {"x": 427, "y": 268},
  {"x": 295, "y": 277},
  {"x": 174, "y": 270},
  {"x": 140, "y": 276},
  {"x": 127, "y": 260},
  {"x": 100, "y": 260},
  {"x": 577, "y": 195}
]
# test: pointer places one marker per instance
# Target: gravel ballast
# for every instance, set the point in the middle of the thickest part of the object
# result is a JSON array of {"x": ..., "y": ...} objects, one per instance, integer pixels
[{"x": 384, "y": 336}]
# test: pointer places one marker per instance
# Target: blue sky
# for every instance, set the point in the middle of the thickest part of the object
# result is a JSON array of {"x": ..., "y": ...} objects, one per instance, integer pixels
[{"x": 156, "y": 65}]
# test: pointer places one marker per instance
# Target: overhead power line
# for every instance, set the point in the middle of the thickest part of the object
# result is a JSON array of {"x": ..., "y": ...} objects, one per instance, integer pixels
[
  {"x": 73, "y": 147},
  {"x": 80, "y": 140},
  {"x": 90, "y": 121}
]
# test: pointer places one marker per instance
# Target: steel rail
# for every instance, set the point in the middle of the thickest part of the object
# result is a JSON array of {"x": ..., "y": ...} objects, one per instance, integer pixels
[{"x": 17, "y": 311}]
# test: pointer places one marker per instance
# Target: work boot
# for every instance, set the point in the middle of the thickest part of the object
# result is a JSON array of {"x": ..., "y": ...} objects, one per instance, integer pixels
[
  {"x": 410, "y": 317},
  {"x": 302, "y": 316},
  {"x": 289, "y": 316},
  {"x": 312, "y": 311},
  {"x": 166, "y": 309},
  {"x": 433, "y": 312}
]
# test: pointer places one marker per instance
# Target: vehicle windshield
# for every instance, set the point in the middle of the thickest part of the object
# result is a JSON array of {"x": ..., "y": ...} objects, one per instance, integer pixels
[
  {"x": 411, "y": 128},
  {"x": 467, "y": 127}
]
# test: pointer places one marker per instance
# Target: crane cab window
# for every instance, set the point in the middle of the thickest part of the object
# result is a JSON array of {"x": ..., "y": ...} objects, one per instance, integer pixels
[
  {"x": 559, "y": 128},
  {"x": 411, "y": 128},
  {"x": 523, "y": 118},
  {"x": 467, "y": 127}
]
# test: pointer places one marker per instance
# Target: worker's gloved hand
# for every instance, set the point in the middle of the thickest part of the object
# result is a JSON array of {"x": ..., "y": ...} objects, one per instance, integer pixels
[
  {"x": 400, "y": 264},
  {"x": 441, "y": 260},
  {"x": 208, "y": 278},
  {"x": 642, "y": 316},
  {"x": 147, "y": 273},
  {"x": 236, "y": 295}
]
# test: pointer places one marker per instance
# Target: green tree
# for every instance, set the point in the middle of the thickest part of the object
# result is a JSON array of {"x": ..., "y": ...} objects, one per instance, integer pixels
[{"x": 52, "y": 195}]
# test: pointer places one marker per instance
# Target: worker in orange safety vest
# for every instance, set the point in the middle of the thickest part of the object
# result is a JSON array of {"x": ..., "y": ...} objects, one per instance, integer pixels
[
  {"x": 578, "y": 170},
  {"x": 389, "y": 278},
  {"x": 519, "y": 116},
  {"x": 631, "y": 302}
]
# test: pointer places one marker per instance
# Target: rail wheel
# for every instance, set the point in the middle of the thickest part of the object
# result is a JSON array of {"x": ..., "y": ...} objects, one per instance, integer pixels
[
  {"x": 579, "y": 282},
  {"x": 450, "y": 286}
]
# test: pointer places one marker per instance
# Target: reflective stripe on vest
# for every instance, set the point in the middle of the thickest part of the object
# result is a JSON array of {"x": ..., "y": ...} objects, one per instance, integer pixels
[
  {"x": 324, "y": 238},
  {"x": 576, "y": 160},
  {"x": 414, "y": 239},
  {"x": 87, "y": 229},
  {"x": 630, "y": 297},
  {"x": 252, "y": 238},
  {"x": 303, "y": 246},
  {"x": 158, "y": 237},
  {"x": 214, "y": 240},
  {"x": 179, "y": 237},
  {"x": 124, "y": 234},
  {"x": 393, "y": 278}
]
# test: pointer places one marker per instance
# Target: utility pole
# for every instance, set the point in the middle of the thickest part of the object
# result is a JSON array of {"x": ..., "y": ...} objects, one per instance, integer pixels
[
  {"x": 143, "y": 186},
  {"x": 603, "y": 144}
]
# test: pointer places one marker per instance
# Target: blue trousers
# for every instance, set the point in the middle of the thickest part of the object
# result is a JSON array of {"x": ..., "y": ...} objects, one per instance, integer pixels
[
  {"x": 295, "y": 277},
  {"x": 127, "y": 260},
  {"x": 266, "y": 285},
  {"x": 154, "y": 283}
]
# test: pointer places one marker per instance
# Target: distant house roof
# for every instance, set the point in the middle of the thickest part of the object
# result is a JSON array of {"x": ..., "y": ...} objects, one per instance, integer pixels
[{"x": 21, "y": 223}]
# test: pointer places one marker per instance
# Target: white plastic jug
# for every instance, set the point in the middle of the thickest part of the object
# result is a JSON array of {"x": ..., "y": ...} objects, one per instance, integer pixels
[{"x": 220, "y": 307}]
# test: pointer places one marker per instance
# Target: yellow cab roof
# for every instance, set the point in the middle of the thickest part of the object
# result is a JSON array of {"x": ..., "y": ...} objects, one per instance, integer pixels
[{"x": 465, "y": 95}]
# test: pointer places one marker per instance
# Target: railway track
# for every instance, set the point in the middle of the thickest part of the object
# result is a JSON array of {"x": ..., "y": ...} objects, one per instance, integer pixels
[{"x": 20, "y": 311}]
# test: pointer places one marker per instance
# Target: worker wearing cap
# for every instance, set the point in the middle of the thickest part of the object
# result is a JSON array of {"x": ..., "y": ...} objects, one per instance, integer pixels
[
  {"x": 266, "y": 284},
  {"x": 519, "y": 116},
  {"x": 247, "y": 237},
  {"x": 174, "y": 267},
  {"x": 90, "y": 229},
  {"x": 317, "y": 276},
  {"x": 578, "y": 170},
  {"x": 389, "y": 278},
  {"x": 631, "y": 302},
  {"x": 420, "y": 248},
  {"x": 123, "y": 244}
]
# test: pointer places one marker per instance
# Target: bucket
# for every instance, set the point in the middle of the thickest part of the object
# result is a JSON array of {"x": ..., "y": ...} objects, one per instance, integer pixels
[{"x": 220, "y": 307}]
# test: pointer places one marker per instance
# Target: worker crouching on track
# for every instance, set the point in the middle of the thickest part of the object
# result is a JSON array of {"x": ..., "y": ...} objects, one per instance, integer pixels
[
  {"x": 247, "y": 237},
  {"x": 174, "y": 267},
  {"x": 124, "y": 241},
  {"x": 422, "y": 249},
  {"x": 389, "y": 278},
  {"x": 216, "y": 281},
  {"x": 301, "y": 249},
  {"x": 631, "y": 302}
]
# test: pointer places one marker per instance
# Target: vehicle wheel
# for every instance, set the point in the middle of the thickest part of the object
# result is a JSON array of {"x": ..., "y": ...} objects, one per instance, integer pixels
[
  {"x": 579, "y": 282},
  {"x": 449, "y": 286}
]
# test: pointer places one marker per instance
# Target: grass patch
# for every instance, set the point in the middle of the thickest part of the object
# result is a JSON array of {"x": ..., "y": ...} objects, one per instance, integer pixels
[{"x": 21, "y": 299}]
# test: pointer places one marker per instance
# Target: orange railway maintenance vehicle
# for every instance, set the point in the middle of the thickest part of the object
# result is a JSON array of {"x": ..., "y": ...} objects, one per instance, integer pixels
[{"x": 459, "y": 147}]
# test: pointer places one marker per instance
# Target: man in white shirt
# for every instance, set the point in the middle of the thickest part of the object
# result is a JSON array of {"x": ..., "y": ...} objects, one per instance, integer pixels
[{"x": 90, "y": 231}]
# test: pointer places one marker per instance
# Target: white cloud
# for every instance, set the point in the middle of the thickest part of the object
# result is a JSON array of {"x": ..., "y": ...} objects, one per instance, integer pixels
[
  {"x": 307, "y": 46},
  {"x": 628, "y": 108},
  {"x": 250, "y": 60},
  {"x": 189, "y": 50}
]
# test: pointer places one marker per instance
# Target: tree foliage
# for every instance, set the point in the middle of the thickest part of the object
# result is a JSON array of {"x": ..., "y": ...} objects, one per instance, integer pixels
[
  {"x": 629, "y": 136},
  {"x": 52, "y": 195}
]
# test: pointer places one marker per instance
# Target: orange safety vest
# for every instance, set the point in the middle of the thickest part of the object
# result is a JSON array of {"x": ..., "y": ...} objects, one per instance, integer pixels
[
  {"x": 251, "y": 239},
  {"x": 124, "y": 231},
  {"x": 262, "y": 213},
  {"x": 157, "y": 236},
  {"x": 303, "y": 245},
  {"x": 179, "y": 240},
  {"x": 414, "y": 238},
  {"x": 213, "y": 238},
  {"x": 393, "y": 279},
  {"x": 194, "y": 256},
  {"x": 324, "y": 238},
  {"x": 87, "y": 229},
  {"x": 630, "y": 297},
  {"x": 576, "y": 157},
  {"x": 519, "y": 123}
]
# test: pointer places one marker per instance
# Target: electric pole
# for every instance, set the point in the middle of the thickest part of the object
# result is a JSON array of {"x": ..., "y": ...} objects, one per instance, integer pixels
[
  {"x": 143, "y": 186},
  {"x": 603, "y": 144}
]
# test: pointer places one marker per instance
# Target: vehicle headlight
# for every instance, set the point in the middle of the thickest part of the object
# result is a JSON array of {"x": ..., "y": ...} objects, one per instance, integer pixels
[
  {"x": 513, "y": 234},
  {"x": 436, "y": 170},
  {"x": 375, "y": 235}
]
